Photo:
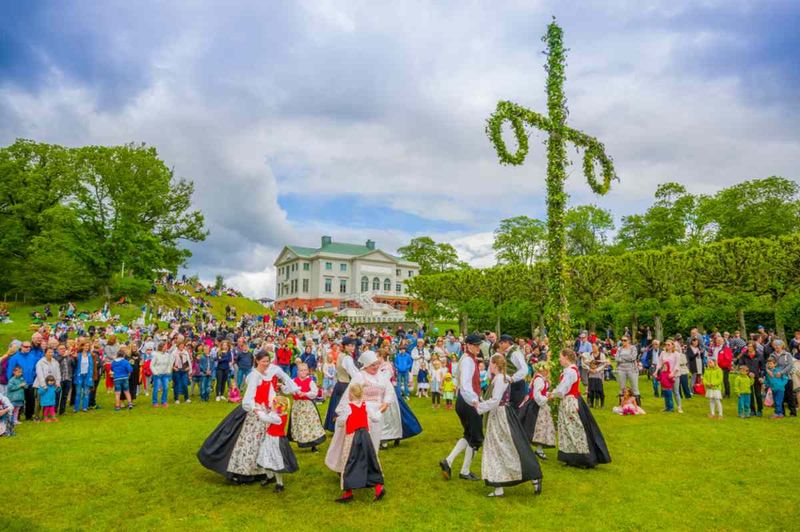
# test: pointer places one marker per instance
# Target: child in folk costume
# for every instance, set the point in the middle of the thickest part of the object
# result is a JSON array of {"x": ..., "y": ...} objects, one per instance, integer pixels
[
  {"x": 275, "y": 454},
  {"x": 359, "y": 465},
  {"x": 535, "y": 416},
  {"x": 628, "y": 406},
  {"x": 580, "y": 442},
  {"x": 507, "y": 457},
  {"x": 306, "y": 425}
]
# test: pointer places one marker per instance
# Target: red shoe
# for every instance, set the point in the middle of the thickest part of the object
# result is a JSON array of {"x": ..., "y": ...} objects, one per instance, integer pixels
[
  {"x": 164, "y": 405},
  {"x": 346, "y": 497}
]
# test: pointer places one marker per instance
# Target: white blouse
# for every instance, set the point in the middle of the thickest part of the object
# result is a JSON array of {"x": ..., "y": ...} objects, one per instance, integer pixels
[
  {"x": 499, "y": 385},
  {"x": 568, "y": 377}
]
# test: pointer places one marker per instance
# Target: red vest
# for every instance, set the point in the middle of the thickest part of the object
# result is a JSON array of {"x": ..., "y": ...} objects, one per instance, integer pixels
[
  {"x": 262, "y": 393},
  {"x": 357, "y": 418},
  {"x": 476, "y": 378},
  {"x": 574, "y": 390},
  {"x": 305, "y": 387},
  {"x": 278, "y": 429},
  {"x": 544, "y": 390}
]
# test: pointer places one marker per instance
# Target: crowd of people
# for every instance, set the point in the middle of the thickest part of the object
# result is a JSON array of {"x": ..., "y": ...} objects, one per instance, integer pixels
[{"x": 279, "y": 368}]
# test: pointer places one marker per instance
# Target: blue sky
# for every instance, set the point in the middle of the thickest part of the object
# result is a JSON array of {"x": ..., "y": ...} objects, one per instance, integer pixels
[{"x": 365, "y": 120}]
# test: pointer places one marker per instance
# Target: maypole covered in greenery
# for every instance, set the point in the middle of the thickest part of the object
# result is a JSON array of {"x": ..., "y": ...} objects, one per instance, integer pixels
[{"x": 557, "y": 309}]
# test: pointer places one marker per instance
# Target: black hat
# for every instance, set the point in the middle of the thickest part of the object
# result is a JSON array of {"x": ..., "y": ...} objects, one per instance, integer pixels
[
  {"x": 474, "y": 339},
  {"x": 507, "y": 338},
  {"x": 347, "y": 340}
]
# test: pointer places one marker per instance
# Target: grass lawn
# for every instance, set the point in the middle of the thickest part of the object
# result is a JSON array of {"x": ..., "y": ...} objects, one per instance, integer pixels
[{"x": 137, "y": 470}]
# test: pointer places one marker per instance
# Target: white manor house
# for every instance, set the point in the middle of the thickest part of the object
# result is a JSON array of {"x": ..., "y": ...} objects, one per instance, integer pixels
[{"x": 342, "y": 276}]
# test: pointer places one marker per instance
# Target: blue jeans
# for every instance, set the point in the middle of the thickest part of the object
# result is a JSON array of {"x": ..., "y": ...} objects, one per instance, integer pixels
[
  {"x": 777, "y": 396},
  {"x": 162, "y": 382},
  {"x": 205, "y": 387},
  {"x": 83, "y": 385},
  {"x": 655, "y": 383},
  {"x": 744, "y": 404},
  {"x": 402, "y": 383},
  {"x": 241, "y": 375},
  {"x": 667, "y": 395},
  {"x": 180, "y": 384}
]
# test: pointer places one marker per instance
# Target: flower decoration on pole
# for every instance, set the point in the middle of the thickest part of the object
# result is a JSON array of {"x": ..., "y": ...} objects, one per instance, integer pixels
[{"x": 557, "y": 310}]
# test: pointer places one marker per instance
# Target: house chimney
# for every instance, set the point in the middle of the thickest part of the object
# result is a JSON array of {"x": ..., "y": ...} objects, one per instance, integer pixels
[
  {"x": 326, "y": 241},
  {"x": 370, "y": 244}
]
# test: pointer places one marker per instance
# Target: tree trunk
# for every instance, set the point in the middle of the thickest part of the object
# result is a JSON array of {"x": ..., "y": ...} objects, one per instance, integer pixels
[
  {"x": 497, "y": 326},
  {"x": 533, "y": 328},
  {"x": 659, "y": 327},
  {"x": 464, "y": 323},
  {"x": 634, "y": 328},
  {"x": 779, "y": 327},
  {"x": 742, "y": 326},
  {"x": 541, "y": 325}
]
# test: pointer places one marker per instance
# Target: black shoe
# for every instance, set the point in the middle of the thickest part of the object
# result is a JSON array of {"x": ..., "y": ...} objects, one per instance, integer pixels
[
  {"x": 446, "y": 473},
  {"x": 541, "y": 455},
  {"x": 397, "y": 443},
  {"x": 380, "y": 496},
  {"x": 278, "y": 488},
  {"x": 537, "y": 487},
  {"x": 344, "y": 500},
  {"x": 268, "y": 481},
  {"x": 314, "y": 450},
  {"x": 468, "y": 476}
]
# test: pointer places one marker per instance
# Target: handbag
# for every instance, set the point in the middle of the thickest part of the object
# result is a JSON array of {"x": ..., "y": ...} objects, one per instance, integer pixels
[
  {"x": 768, "y": 400},
  {"x": 699, "y": 389}
]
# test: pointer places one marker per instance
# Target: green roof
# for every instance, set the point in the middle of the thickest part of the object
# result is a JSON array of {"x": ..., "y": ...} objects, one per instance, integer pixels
[{"x": 339, "y": 248}]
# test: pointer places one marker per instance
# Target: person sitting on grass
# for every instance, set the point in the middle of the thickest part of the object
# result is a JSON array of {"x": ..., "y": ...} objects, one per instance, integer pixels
[
  {"x": 628, "y": 405},
  {"x": 121, "y": 370}
]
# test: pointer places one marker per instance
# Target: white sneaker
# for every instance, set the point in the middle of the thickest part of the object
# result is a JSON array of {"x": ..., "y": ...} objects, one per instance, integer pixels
[
  {"x": 218, "y": 399},
  {"x": 188, "y": 400},
  {"x": 177, "y": 402},
  {"x": 680, "y": 410}
]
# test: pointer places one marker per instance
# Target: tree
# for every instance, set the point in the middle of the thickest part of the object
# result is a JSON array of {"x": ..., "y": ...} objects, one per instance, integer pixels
[
  {"x": 519, "y": 240},
  {"x": 432, "y": 257},
  {"x": 134, "y": 210},
  {"x": 219, "y": 282},
  {"x": 759, "y": 208},
  {"x": 587, "y": 227},
  {"x": 558, "y": 136}
]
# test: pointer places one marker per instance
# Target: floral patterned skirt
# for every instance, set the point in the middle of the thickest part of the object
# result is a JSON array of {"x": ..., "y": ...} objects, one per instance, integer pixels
[
  {"x": 244, "y": 456},
  {"x": 305, "y": 426},
  {"x": 580, "y": 442},
  {"x": 507, "y": 456}
]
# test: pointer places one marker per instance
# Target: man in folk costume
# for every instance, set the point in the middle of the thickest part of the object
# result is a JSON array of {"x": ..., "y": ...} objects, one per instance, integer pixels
[
  {"x": 516, "y": 366},
  {"x": 469, "y": 389},
  {"x": 345, "y": 371},
  {"x": 378, "y": 394}
]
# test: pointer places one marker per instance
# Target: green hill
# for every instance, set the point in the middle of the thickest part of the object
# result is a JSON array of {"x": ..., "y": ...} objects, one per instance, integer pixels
[{"x": 22, "y": 322}]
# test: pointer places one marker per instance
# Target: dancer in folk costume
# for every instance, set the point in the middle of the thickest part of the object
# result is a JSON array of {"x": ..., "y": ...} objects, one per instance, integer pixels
[
  {"x": 275, "y": 454},
  {"x": 517, "y": 367},
  {"x": 469, "y": 390},
  {"x": 358, "y": 462},
  {"x": 507, "y": 456},
  {"x": 398, "y": 411},
  {"x": 345, "y": 371},
  {"x": 535, "y": 416},
  {"x": 378, "y": 395},
  {"x": 580, "y": 442},
  {"x": 232, "y": 448},
  {"x": 305, "y": 427}
]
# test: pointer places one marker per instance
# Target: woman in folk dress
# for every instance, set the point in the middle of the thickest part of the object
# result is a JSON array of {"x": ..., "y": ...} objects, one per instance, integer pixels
[
  {"x": 507, "y": 456},
  {"x": 580, "y": 442}
]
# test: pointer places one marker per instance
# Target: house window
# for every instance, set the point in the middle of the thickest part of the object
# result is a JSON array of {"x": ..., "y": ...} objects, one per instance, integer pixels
[
  {"x": 376, "y": 284},
  {"x": 387, "y": 285},
  {"x": 343, "y": 267},
  {"x": 305, "y": 285},
  {"x": 410, "y": 273},
  {"x": 328, "y": 265},
  {"x": 306, "y": 266},
  {"x": 328, "y": 285},
  {"x": 398, "y": 288},
  {"x": 342, "y": 286},
  {"x": 364, "y": 284}
]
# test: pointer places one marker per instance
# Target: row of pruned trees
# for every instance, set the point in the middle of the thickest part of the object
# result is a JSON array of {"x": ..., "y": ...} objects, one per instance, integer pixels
[{"x": 716, "y": 285}]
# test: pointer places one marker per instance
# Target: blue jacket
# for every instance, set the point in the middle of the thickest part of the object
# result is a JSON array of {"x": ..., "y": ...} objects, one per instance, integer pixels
[
  {"x": 224, "y": 360},
  {"x": 77, "y": 371},
  {"x": 207, "y": 364},
  {"x": 27, "y": 361},
  {"x": 47, "y": 395},
  {"x": 244, "y": 359},
  {"x": 309, "y": 359},
  {"x": 121, "y": 368},
  {"x": 403, "y": 362},
  {"x": 16, "y": 391}
]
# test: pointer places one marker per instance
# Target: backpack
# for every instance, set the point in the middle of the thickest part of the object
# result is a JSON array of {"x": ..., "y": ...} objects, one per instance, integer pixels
[{"x": 724, "y": 359}]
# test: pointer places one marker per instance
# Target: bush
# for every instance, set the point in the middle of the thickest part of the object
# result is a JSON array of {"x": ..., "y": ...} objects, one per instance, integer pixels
[{"x": 129, "y": 287}]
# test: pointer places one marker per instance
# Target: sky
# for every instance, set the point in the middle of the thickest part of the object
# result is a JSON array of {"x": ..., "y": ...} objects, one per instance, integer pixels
[{"x": 365, "y": 120}]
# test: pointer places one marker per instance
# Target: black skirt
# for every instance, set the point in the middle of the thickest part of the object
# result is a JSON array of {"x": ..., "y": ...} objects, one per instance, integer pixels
[
  {"x": 598, "y": 451},
  {"x": 362, "y": 469},
  {"x": 471, "y": 421},
  {"x": 336, "y": 396},
  {"x": 529, "y": 465},
  {"x": 517, "y": 393},
  {"x": 289, "y": 459},
  {"x": 216, "y": 450}
]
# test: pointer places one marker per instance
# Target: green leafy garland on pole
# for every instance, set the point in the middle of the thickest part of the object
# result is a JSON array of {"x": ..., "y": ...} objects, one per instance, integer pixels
[{"x": 557, "y": 310}]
